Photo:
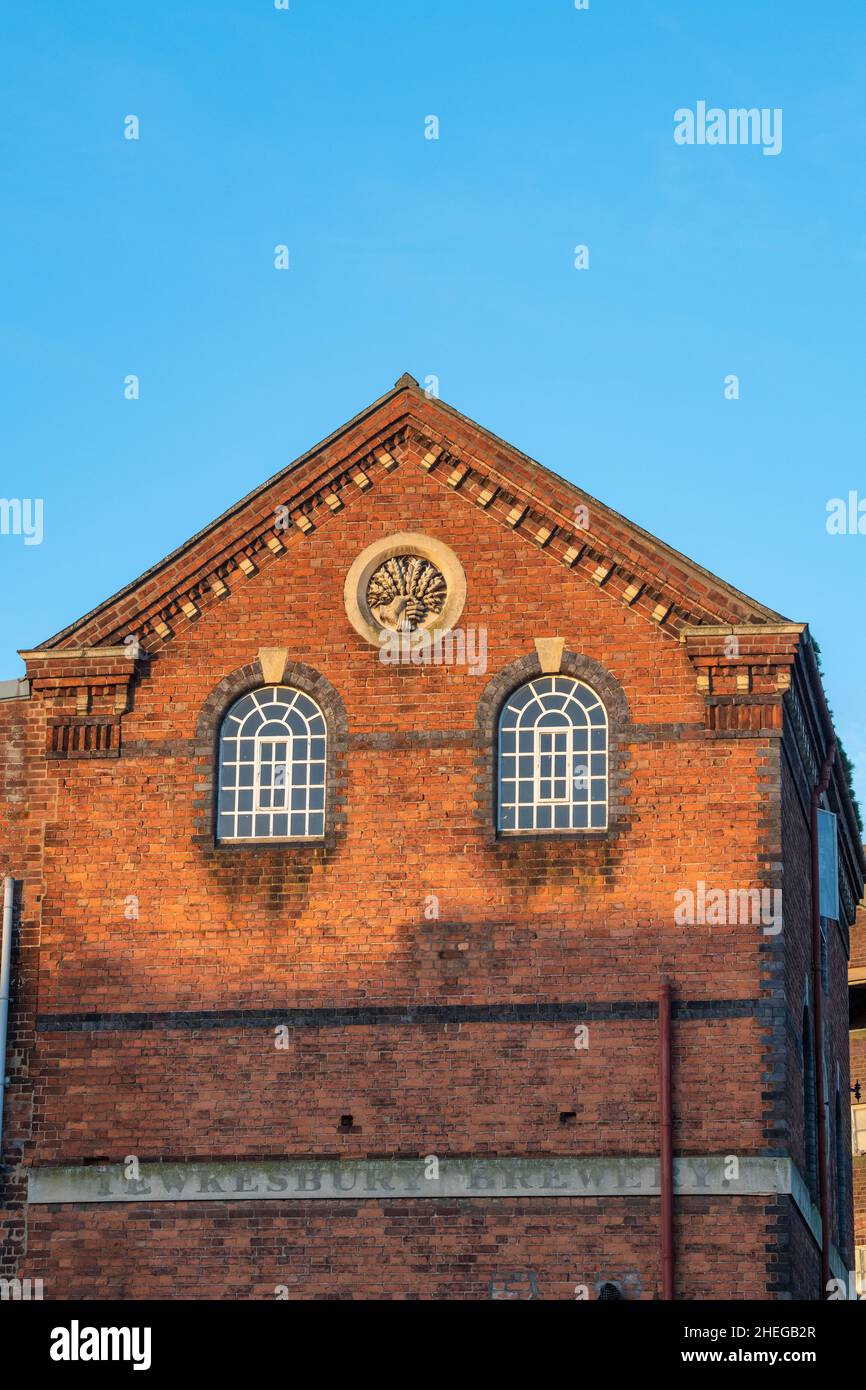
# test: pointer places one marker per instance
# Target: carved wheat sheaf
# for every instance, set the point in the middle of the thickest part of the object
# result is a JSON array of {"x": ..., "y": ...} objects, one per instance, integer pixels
[{"x": 406, "y": 592}]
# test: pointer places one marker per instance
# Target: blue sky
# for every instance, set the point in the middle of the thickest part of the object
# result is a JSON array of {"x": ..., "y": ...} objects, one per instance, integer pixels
[{"x": 451, "y": 258}]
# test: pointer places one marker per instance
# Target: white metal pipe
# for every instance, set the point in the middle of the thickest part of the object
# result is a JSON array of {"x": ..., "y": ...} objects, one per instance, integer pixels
[{"x": 5, "y": 975}]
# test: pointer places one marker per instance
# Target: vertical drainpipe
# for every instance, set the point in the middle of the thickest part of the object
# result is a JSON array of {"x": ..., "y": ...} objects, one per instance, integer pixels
[
  {"x": 818, "y": 996},
  {"x": 5, "y": 975},
  {"x": 666, "y": 1126}
]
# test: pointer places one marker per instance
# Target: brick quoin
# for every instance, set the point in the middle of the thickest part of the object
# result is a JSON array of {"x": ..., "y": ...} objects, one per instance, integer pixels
[{"x": 155, "y": 968}]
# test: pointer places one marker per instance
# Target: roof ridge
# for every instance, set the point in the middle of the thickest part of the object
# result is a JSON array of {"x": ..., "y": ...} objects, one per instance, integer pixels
[{"x": 425, "y": 413}]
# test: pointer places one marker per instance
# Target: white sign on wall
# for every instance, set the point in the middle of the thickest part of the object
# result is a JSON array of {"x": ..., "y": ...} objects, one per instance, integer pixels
[{"x": 828, "y": 865}]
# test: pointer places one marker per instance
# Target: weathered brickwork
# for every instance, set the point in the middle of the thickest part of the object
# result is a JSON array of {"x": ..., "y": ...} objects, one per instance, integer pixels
[
  {"x": 346, "y": 1250},
  {"x": 412, "y": 973},
  {"x": 404, "y": 1085},
  {"x": 796, "y": 945},
  {"x": 858, "y": 1073}
]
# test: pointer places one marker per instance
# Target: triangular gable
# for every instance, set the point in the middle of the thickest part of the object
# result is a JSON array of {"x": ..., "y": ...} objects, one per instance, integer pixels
[{"x": 407, "y": 428}]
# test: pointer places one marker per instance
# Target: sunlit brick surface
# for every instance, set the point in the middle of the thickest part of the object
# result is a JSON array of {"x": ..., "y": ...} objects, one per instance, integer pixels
[{"x": 133, "y": 909}]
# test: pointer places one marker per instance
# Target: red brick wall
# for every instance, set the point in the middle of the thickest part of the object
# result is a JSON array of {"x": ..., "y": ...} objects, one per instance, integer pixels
[
  {"x": 552, "y": 922},
  {"x": 858, "y": 941},
  {"x": 858, "y": 1070},
  {"x": 347, "y": 926},
  {"x": 468, "y": 1088},
  {"x": 24, "y": 803},
  {"x": 797, "y": 944},
  {"x": 449, "y": 1250}
]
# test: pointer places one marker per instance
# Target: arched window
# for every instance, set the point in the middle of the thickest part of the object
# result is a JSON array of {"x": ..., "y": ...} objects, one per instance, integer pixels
[
  {"x": 810, "y": 1112},
  {"x": 552, "y": 758},
  {"x": 272, "y": 757}
]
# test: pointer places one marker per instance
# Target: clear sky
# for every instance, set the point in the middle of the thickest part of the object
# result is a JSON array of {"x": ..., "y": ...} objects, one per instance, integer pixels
[{"x": 451, "y": 257}]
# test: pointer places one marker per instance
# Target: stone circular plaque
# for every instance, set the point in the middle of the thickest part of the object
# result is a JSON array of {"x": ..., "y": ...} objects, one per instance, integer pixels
[{"x": 407, "y": 583}]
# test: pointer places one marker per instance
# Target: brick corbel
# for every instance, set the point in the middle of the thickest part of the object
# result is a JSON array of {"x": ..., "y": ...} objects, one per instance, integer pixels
[
  {"x": 87, "y": 691},
  {"x": 743, "y": 673}
]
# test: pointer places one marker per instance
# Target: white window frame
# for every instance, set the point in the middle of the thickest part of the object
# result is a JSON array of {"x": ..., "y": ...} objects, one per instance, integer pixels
[
  {"x": 583, "y": 714},
  {"x": 241, "y": 814},
  {"x": 287, "y": 763},
  {"x": 858, "y": 1130},
  {"x": 565, "y": 732}
]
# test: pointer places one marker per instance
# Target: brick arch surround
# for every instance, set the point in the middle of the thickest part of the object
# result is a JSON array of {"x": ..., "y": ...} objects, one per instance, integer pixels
[
  {"x": 233, "y": 687},
  {"x": 608, "y": 689}
]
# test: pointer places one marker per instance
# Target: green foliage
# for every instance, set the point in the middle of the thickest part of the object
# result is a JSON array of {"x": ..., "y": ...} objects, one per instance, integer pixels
[{"x": 847, "y": 764}]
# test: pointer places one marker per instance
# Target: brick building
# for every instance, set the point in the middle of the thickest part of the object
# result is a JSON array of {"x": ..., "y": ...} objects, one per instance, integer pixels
[
  {"x": 344, "y": 953},
  {"x": 857, "y": 982}
]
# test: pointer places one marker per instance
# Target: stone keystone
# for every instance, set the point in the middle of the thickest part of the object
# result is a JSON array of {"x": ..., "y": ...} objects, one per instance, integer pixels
[
  {"x": 273, "y": 663},
  {"x": 550, "y": 653}
]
